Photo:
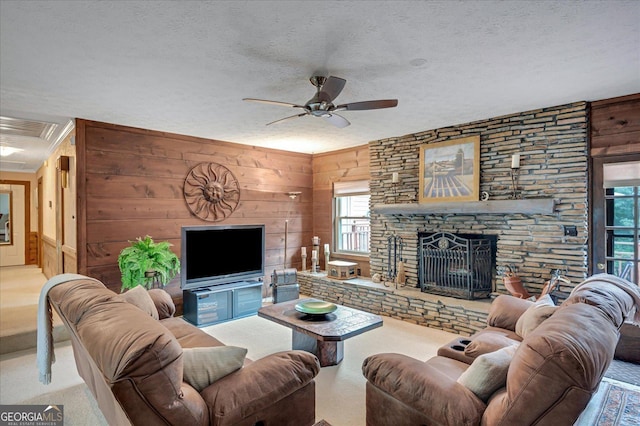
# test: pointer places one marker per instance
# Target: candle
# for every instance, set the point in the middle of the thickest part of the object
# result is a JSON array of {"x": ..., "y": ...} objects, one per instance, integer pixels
[
  {"x": 304, "y": 251},
  {"x": 395, "y": 177},
  {"x": 326, "y": 248},
  {"x": 515, "y": 161},
  {"x": 314, "y": 254},
  {"x": 316, "y": 241}
]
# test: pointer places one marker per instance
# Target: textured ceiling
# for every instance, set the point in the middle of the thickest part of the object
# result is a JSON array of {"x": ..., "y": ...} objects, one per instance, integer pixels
[{"x": 184, "y": 67}]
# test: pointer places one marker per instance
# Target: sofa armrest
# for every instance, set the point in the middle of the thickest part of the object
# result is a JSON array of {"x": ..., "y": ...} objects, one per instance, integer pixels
[
  {"x": 505, "y": 311},
  {"x": 425, "y": 388},
  {"x": 164, "y": 303},
  {"x": 258, "y": 385}
]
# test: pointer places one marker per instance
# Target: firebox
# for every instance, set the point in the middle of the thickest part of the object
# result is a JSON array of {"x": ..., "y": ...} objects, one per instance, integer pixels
[{"x": 453, "y": 265}]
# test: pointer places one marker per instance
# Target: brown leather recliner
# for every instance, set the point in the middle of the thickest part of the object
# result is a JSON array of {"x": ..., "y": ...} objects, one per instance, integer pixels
[
  {"x": 133, "y": 365},
  {"x": 551, "y": 378}
]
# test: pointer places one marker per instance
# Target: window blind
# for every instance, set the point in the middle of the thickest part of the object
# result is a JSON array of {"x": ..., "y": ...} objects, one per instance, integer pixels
[
  {"x": 621, "y": 174},
  {"x": 353, "y": 187}
]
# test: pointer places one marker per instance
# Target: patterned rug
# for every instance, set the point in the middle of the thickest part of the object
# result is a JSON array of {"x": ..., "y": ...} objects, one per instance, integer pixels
[{"x": 614, "y": 404}]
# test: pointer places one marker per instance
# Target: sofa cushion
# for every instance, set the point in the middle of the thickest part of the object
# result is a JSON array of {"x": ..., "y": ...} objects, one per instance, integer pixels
[
  {"x": 535, "y": 315},
  {"x": 139, "y": 296},
  {"x": 163, "y": 302},
  {"x": 203, "y": 366},
  {"x": 188, "y": 335},
  {"x": 505, "y": 311},
  {"x": 488, "y": 372},
  {"x": 484, "y": 343}
]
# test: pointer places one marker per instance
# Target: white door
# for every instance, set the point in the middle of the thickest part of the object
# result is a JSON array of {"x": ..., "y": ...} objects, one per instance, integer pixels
[{"x": 13, "y": 254}]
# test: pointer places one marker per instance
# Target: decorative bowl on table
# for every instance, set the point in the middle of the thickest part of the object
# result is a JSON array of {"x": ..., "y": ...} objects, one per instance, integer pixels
[{"x": 316, "y": 307}]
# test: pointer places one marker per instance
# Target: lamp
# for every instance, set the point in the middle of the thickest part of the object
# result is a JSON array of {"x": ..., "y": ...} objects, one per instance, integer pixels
[
  {"x": 515, "y": 171},
  {"x": 293, "y": 195}
]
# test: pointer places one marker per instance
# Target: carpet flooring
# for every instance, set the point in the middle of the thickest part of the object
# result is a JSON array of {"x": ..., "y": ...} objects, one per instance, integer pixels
[{"x": 340, "y": 390}]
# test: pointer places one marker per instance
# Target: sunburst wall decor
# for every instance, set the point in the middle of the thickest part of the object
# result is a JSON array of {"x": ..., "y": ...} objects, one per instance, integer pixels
[{"x": 211, "y": 191}]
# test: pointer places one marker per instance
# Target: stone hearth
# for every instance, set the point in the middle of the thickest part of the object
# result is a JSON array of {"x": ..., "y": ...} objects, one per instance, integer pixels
[{"x": 459, "y": 316}]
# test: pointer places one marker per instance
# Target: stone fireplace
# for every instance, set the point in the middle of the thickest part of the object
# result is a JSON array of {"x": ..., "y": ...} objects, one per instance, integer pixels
[
  {"x": 552, "y": 143},
  {"x": 455, "y": 265}
]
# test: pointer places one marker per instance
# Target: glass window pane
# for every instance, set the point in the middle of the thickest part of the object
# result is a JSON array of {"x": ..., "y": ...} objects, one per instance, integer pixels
[
  {"x": 624, "y": 190},
  {"x": 623, "y": 246},
  {"x": 624, "y": 269},
  {"x": 622, "y": 212},
  {"x": 352, "y": 222}
]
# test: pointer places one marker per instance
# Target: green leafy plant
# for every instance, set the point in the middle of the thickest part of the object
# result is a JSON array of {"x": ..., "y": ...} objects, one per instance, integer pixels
[{"x": 145, "y": 261}]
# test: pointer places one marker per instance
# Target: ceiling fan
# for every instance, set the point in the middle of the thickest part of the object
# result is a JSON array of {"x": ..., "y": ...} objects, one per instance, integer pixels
[{"x": 321, "y": 104}]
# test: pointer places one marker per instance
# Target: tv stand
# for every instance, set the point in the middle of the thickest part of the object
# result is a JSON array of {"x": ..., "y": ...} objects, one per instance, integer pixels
[{"x": 211, "y": 305}]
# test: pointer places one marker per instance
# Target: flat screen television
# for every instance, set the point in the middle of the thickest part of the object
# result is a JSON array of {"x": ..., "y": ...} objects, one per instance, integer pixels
[{"x": 214, "y": 255}]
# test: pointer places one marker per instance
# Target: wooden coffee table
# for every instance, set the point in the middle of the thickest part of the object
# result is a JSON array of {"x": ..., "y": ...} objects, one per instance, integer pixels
[{"x": 322, "y": 335}]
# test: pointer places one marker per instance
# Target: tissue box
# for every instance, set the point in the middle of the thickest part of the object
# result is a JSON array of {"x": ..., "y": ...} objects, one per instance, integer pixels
[{"x": 342, "y": 270}]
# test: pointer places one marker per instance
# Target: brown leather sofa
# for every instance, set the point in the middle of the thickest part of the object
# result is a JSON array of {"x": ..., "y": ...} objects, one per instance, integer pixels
[
  {"x": 133, "y": 365},
  {"x": 551, "y": 377}
]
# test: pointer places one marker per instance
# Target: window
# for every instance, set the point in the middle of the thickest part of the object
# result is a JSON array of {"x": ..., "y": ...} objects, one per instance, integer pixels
[
  {"x": 616, "y": 238},
  {"x": 622, "y": 219},
  {"x": 351, "y": 217}
]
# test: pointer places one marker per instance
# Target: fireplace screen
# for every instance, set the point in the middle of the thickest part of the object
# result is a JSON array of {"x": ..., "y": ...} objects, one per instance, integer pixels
[{"x": 454, "y": 266}]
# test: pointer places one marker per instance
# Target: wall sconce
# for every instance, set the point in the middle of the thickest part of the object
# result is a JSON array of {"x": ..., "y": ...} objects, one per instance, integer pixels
[
  {"x": 515, "y": 171},
  {"x": 62, "y": 165},
  {"x": 395, "y": 181}
]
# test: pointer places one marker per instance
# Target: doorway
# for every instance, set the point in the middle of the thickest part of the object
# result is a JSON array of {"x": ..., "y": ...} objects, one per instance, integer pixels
[
  {"x": 616, "y": 216},
  {"x": 16, "y": 208}
]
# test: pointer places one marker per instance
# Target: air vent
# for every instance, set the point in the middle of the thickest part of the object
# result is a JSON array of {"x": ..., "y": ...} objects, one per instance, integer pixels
[{"x": 21, "y": 127}]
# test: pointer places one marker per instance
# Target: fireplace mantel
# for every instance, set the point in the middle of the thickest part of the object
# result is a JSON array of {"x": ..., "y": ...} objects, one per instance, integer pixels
[{"x": 528, "y": 206}]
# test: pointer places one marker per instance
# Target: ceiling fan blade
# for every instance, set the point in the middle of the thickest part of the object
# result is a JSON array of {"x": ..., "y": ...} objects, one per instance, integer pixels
[
  {"x": 337, "y": 120},
  {"x": 359, "y": 106},
  {"x": 287, "y": 118},
  {"x": 264, "y": 101},
  {"x": 331, "y": 88}
]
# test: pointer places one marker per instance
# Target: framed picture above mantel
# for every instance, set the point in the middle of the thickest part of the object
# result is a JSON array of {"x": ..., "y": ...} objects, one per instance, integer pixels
[{"x": 450, "y": 171}]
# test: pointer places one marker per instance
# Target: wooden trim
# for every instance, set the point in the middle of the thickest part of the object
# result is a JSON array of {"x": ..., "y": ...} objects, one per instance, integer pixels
[
  {"x": 597, "y": 248},
  {"x": 526, "y": 206},
  {"x": 620, "y": 99},
  {"x": 341, "y": 151},
  {"x": 48, "y": 240},
  {"x": 40, "y": 222},
  {"x": 615, "y": 150},
  {"x": 27, "y": 211},
  {"x": 81, "y": 196},
  {"x": 69, "y": 250},
  {"x": 156, "y": 133}
]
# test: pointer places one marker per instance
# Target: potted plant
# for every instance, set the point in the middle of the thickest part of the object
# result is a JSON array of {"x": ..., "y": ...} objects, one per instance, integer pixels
[{"x": 145, "y": 262}]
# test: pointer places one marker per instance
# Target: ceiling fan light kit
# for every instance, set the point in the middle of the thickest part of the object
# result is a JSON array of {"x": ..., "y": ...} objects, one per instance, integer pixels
[{"x": 321, "y": 104}]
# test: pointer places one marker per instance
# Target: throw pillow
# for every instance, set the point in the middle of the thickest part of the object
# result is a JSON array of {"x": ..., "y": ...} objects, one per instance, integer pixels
[
  {"x": 488, "y": 372},
  {"x": 535, "y": 315},
  {"x": 163, "y": 302},
  {"x": 487, "y": 342},
  {"x": 139, "y": 297},
  {"x": 203, "y": 366}
]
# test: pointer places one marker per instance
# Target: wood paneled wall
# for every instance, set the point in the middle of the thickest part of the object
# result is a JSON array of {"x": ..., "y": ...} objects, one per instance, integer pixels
[
  {"x": 615, "y": 126},
  {"x": 337, "y": 166},
  {"x": 49, "y": 257},
  {"x": 130, "y": 184}
]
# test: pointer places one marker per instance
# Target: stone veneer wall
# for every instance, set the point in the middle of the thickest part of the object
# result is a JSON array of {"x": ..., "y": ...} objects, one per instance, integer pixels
[
  {"x": 407, "y": 304},
  {"x": 553, "y": 147}
]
